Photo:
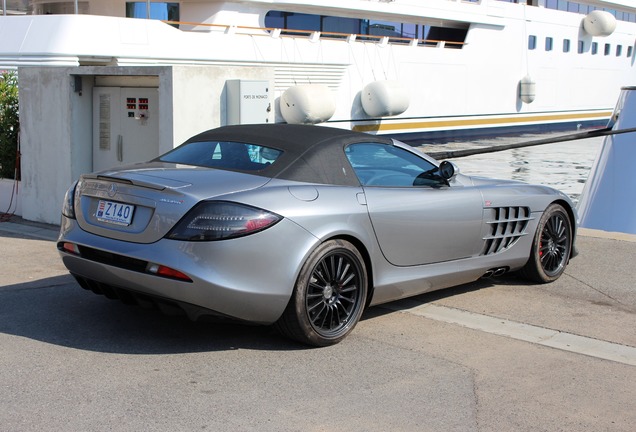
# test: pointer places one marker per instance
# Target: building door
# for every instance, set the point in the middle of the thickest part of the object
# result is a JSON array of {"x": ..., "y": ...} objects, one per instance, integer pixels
[{"x": 125, "y": 126}]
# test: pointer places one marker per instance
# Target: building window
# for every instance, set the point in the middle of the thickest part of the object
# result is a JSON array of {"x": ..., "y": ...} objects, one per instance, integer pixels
[
  {"x": 548, "y": 44},
  {"x": 594, "y": 48},
  {"x": 566, "y": 45},
  {"x": 532, "y": 42}
]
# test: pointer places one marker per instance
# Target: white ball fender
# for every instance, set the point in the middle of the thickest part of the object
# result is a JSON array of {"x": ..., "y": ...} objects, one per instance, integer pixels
[
  {"x": 384, "y": 98},
  {"x": 599, "y": 23},
  {"x": 307, "y": 104}
]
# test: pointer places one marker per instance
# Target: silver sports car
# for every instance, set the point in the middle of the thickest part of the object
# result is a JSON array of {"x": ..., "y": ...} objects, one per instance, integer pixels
[{"x": 303, "y": 227}]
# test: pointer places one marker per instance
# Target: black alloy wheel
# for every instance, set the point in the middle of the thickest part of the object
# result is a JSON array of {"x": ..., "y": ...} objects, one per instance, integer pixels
[
  {"x": 551, "y": 246},
  {"x": 555, "y": 244},
  {"x": 329, "y": 297}
]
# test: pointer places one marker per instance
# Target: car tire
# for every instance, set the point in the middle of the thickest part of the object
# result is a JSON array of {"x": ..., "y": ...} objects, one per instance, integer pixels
[
  {"x": 329, "y": 296},
  {"x": 551, "y": 246}
]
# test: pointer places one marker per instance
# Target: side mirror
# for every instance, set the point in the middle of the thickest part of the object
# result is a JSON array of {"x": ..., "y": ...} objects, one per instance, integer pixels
[{"x": 448, "y": 170}]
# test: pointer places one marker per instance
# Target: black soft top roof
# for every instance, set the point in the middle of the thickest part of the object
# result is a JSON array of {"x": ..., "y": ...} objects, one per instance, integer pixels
[{"x": 310, "y": 153}]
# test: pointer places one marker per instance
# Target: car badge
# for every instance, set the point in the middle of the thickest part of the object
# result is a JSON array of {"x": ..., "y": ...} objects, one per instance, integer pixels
[{"x": 112, "y": 190}]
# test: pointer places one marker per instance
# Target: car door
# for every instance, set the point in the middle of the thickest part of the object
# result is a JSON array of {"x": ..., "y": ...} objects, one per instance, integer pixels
[{"x": 417, "y": 216}]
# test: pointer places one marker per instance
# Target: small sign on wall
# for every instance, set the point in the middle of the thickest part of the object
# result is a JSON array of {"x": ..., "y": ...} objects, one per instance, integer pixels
[{"x": 248, "y": 102}]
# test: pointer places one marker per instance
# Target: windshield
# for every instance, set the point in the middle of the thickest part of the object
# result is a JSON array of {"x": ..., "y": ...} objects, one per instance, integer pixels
[{"x": 223, "y": 154}]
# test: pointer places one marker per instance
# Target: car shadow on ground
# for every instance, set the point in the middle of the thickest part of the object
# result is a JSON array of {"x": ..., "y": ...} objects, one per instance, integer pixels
[
  {"x": 510, "y": 279},
  {"x": 58, "y": 311}
]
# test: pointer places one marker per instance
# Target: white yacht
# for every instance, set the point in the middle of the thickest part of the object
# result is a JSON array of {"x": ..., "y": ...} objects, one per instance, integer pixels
[{"x": 414, "y": 69}]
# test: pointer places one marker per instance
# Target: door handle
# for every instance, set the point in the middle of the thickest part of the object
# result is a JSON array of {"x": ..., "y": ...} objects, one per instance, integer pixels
[{"x": 120, "y": 148}]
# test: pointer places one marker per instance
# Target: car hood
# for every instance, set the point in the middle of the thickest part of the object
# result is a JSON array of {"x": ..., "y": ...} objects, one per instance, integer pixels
[{"x": 160, "y": 195}]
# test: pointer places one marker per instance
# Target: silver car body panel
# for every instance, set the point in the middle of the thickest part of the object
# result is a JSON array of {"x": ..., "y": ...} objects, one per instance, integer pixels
[{"x": 414, "y": 226}]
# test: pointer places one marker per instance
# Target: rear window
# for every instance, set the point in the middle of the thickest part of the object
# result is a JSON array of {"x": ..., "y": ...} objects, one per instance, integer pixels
[{"x": 223, "y": 154}]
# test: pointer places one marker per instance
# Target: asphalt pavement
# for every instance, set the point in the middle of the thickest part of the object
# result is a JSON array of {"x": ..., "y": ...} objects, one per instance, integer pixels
[{"x": 494, "y": 355}]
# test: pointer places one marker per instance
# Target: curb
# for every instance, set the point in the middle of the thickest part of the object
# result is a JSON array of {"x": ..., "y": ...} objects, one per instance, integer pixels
[
  {"x": 588, "y": 232},
  {"x": 38, "y": 230}
]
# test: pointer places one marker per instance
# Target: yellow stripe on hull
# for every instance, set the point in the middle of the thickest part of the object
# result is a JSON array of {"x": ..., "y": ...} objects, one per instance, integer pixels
[{"x": 480, "y": 122}]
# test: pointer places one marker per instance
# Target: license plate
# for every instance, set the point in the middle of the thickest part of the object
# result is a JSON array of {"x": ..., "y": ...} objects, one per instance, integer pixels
[{"x": 114, "y": 212}]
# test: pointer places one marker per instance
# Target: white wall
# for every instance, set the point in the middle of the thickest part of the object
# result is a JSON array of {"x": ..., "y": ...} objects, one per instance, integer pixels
[
  {"x": 56, "y": 123},
  {"x": 206, "y": 86},
  {"x": 45, "y": 137}
]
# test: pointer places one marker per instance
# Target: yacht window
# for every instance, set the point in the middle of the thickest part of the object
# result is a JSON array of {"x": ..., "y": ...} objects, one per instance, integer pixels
[
  {"x": 594, "y": 48},
  {"x": 337, "y": 27},
  {"x": 447, "y": 34},
  {"x": 619, "y": 50},
  {"x": 341, "y": 25},
  {"x": 158, "y": 10},
  {"x": 608, "y": 49},
  {"x": 548, "y": 44},
  {"x": 300, "y": 21},
  {"x": 566, "y": 45},
  {"x": 532, "y": 42},
  {"x": 581, "y": 47},
  {"x": 629, "y": 51}
]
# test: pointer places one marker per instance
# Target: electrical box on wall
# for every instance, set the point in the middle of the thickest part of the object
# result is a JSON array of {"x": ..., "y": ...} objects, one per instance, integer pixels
[{"x": 248, "y": 102}]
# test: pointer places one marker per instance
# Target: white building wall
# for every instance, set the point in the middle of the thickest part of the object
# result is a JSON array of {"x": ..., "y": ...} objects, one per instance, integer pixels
[
  {"x": 199, "y": 97},
  {"x": 45, "y": 132}
]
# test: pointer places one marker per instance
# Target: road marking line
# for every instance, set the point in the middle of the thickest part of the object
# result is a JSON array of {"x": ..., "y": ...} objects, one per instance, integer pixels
[{"x": 525, "y": 332}]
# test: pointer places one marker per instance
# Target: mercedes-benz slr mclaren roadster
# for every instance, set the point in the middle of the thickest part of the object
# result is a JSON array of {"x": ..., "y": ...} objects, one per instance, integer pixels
[{"x": 303, "y": 227}]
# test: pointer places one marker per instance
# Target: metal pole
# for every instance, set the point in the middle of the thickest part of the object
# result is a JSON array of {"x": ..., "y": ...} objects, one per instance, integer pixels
[
  {"x": 147, "y": 9},
  {"x": 562, "y": 138},
  {"x": 4, "y": 7},
  {"x": 76, "y": 8}
]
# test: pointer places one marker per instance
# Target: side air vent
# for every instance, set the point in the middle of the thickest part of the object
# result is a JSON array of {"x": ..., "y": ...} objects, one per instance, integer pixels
[{"x": 505, "y": 226}]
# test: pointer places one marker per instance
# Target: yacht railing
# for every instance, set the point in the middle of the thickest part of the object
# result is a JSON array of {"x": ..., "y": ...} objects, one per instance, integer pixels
[{"x": 315, "y": 36}]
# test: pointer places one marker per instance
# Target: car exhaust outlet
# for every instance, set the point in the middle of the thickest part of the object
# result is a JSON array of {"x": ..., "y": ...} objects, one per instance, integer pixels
[
  {"x": 495, "y": 272},
  {"x": 488, "y": 274},
  {"x": 500, "y": 271}
]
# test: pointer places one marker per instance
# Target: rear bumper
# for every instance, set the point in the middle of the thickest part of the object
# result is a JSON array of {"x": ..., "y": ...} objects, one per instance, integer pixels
[{"x": 249, "y": 278}]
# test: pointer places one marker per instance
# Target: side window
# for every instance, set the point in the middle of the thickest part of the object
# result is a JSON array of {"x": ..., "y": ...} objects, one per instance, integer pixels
[{"x": 388, "y": 166}]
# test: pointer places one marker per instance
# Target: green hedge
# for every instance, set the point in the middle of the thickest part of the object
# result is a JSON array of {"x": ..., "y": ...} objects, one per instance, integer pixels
[{"x": 9, "y": 124}]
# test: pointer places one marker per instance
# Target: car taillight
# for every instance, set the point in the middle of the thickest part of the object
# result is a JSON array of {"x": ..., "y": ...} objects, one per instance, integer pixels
[
  {"x": 68, "y": 207},
  {"x": 167, "y": 272},
  {"x": 220, "y": 220}
]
